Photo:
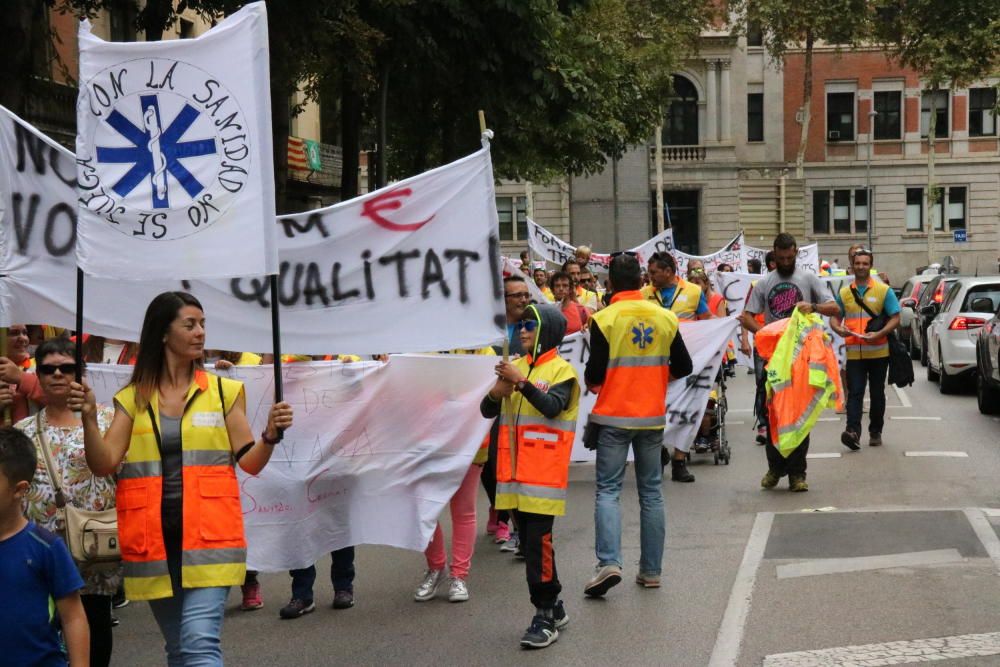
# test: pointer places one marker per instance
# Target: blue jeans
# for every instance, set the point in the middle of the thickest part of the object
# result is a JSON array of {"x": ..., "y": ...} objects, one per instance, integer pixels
[
  {"x": 341, "y": 574},
  {"x": 612, "y": 450},
  {"x": 191, "y": 624}
]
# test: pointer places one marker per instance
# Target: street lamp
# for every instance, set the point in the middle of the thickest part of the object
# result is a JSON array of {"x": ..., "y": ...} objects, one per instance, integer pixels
[{"x": 868, "y": 177}]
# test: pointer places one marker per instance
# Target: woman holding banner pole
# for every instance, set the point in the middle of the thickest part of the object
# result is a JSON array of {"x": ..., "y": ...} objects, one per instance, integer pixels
[{"x": 175, "y": 437}]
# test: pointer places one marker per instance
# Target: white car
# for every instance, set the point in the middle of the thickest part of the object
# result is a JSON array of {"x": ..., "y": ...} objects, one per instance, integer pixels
[{"x": 951, "y": 337}]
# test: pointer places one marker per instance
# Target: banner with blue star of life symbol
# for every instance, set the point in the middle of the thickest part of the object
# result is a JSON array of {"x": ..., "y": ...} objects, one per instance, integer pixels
[{"x": 174, "y": 154}]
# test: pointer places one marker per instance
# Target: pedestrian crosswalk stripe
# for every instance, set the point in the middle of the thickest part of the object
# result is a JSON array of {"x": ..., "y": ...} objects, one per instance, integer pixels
[
  {"x": 954, "y": 455},
  {"x": 906, "y": 652}
]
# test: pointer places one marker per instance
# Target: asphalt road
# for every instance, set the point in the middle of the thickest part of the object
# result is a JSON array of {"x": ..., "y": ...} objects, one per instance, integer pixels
[{"x": 750, "y": 575}]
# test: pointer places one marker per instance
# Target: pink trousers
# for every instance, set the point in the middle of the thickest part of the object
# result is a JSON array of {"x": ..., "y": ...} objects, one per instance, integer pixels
[{"x": 463, "y": 529}]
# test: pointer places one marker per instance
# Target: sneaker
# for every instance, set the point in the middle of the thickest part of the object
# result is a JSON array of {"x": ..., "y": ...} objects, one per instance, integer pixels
[
  {"x": 797, "y": 484},
  {"x": 296, "y": 608},
  {"x": 519, "y": 552},
  {"x": 679, "y": 471},
  {"x": 429, "y": 585},
  {"x": 542, "y": 633},
  {"x": 648, "y": 580},
  {"x": 343, "y": 599},
  {"x": 118, "y": 600},
  {"x": 851, "y": 440},
  {"x": 511, "y": 545},
  {"x": 502, "y": 533},
  {"x": 115, "y": 621},
  {"x": 458, "y": 591},
  {"x": 770, "y": 480},
  {"x": 604, "y": 579},
  {"x": 560, "y": 616},
  {"x": 491, "y": 524},
  {"x": 702, "y": 444},
  {"x": 762, "y": 435},
  {"x": 251, "y": 597},
  {"x": 874, "y": 439}
]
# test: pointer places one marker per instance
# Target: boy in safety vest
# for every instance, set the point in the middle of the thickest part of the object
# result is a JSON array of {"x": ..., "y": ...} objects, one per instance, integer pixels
[{"x": 533, "y": 472}]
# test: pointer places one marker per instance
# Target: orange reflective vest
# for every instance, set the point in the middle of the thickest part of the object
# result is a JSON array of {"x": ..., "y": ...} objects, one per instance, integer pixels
[
  {"x": 639, "y": 334},
  {"x": 856, "y": 319},
  {"x": 536, "y": 480},
  {"x": 687, "y": 296},
  {"x": 213, "y": 545}
]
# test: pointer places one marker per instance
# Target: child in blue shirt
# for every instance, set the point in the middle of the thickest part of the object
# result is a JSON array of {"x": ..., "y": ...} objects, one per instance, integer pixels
[{"x": 38, "y": 578}]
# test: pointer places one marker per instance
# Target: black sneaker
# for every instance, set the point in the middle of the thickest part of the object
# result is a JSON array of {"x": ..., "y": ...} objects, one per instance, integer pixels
[
  {"x": 851, "y": 440},
  {"x": 560, "y": 616},
  {"x": 296, "y": 608},
  {"x": 542, "y": 633},
  {"x": 343, "y": 599},
  {"x": 115, "y": 621},
  {"x": 118, "y": 600}
]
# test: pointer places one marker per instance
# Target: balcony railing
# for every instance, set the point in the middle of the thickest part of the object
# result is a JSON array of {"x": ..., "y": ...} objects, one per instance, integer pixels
[{"x": 680, "y": 153}]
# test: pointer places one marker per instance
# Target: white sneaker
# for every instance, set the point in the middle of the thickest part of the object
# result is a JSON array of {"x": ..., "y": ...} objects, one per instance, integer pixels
[
  {"x": 511, "y": 545},
  {"x": 458, "y": 591},
  {"x": 428, "y": 587}
]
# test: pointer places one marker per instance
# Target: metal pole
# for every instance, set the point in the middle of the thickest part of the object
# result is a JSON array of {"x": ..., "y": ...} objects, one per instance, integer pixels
[
  {"x": 658, "y": 161},
  {"x": 868, "y": 176},
  {"x": 79, "y": 325}
]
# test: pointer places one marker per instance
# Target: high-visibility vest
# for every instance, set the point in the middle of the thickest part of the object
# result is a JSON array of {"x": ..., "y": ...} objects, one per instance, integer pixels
[
  {"x": 687, "y": 296},
  {"x": 213, "y": 545},
  {"x": 639, "y": 335},
  {"x": 537, "y": 480},
  {"x": 483, "y": 453},
  {"x": 856, "y": 319},
  {"x": 249, "y": 359},
  {"x": 803, "y": 377},
  {"x": 547, "y": 292},
  {"x": 587, "y": 299}
]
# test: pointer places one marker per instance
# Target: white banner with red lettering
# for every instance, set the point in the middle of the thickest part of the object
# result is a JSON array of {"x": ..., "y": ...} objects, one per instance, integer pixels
[
  {"x": 808, "y": 257},
  {"x": 731, "y": 254},
  {"x": 553, "y": 249}
]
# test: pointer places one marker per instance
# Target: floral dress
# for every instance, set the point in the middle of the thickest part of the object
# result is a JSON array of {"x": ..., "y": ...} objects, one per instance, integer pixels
[{"x": 79, "y": 485}]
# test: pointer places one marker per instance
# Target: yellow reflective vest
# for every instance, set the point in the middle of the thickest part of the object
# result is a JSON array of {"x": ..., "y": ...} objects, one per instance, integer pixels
[
  {"x": 687, "y": 296},
  {"x": 856, "y": 320}
]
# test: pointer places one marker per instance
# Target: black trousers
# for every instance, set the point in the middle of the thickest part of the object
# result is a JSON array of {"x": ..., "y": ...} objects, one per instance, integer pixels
[
  {"x": 870, "y": 373},
  {"x": 794, "y": 465},
  {"x": 489, "y": 474},
  {"x": 539, "y": 558},
  {"x": 98, "y": 610}
]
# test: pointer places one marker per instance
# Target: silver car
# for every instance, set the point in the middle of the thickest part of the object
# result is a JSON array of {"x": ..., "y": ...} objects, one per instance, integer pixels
[{"x": 951, "y": 337}]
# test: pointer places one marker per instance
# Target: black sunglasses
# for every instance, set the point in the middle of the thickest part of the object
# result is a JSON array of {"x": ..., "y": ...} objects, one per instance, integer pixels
[
  {"x": 630, "y": 253},
  {"x": 50, "y": 369}
]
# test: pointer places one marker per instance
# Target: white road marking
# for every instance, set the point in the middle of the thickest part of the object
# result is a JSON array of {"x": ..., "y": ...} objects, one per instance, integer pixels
[
  {"x": 828, "y": 419},
  {"x": 903, "y": 398},
  {"x": 726, "y": 651},
  {"x": 985, "y": 533},
  {"x": 906, "y": 652},
  {"x": 953, "y": 455},
  {"x": 821, "y": 566},
  {"x": 740, "y": 409},
  {"x": 990, "y": 511},
  {"x": 911, "y": 418},
  {"x": 732, "y": 422},
  {"x": 823, "y": 455}
]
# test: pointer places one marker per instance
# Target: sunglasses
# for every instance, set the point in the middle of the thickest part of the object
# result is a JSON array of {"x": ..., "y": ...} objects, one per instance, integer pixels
[
  {"x": 50, "y": 369},
  {"x": 630, "y": 253},
  {"x": 527, "y": 325}
]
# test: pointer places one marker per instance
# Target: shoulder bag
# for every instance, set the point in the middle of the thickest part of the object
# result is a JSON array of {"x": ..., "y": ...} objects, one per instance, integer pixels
[
  {"x": 900, "y": 364},
  {"x": 92, "y": 536}
]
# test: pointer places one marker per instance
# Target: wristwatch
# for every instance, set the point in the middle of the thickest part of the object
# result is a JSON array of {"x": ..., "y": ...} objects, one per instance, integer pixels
[
  {"x": 267, "y": 440},
  {"x": 520, "y": 384}
]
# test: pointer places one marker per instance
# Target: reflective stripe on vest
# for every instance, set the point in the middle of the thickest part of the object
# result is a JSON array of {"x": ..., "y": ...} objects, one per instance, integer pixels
[
  {"x": 856, "y": 319},
  {"x": 540, "y": 474},
  {"x": 639, "y": 334},
  {"x": 213, "y": 546}
]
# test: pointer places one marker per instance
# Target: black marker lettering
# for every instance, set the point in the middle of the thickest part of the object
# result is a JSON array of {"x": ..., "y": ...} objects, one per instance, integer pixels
[
  {"x": 399, "y": 258},
  {"x": 463, "y": 256},
  {"x": 433, "y": 273}
]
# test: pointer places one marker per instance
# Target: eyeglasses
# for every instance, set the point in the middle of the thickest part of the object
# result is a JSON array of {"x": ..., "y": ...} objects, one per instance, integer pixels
[
  {"x": 630, "y": 253},
  {"x": 50, "y": 369},
  {"x": 527, "y": 325},
  {"x": 517, "y": 295}
]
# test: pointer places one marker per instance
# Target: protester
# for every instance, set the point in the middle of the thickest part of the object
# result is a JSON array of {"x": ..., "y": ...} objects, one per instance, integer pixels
[
  {"x": 864, "y": 302},
  {"x": 588, "y": 281},
  {"x": 758, "y": 364},
  {"x": 589, "y": 300},
  {"x": 100, "y": 350},
  {"x": 182, "y": 542},
  {"x": 62, "y": 431},
  {"x": 716, "y": 303},
  {"x": 633, "y": 344},
  {"x": 541, "y": 278},
  {"x": 38, "y": 576},
  {"x": 753, "y": 265},
  {"x": 577, "y": 317},
  {"x": 544, "y": 396},
  {"x": 726, "y": 268},
  {"x": 687, "y": 302},
  {"x": 874, "y": 273},
  {"x": 695, "y": 265},
  {"x": 582, "y": 255},
  {"x": 525, "y": 261},
  {"x": 776, "y": 296},
  {"x": 17, "y": 371}
]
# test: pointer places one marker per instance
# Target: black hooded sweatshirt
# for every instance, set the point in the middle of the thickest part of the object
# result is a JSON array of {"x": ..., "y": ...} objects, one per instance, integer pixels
[{"x": 550, "y": 403}]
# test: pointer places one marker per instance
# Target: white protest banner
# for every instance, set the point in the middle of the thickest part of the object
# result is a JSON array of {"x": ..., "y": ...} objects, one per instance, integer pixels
[
  {"x": 687, "y": 398},
  {"x": 550, "y": 247},
  {"x": 511, "y": 269},
  {"x": 376, "y": 452},
  {"x": 731, "y": 254},
  {"x": 410, "y": 268},
  {"x": 808, "y": 257},
  {"x": 174, "y": 168}
]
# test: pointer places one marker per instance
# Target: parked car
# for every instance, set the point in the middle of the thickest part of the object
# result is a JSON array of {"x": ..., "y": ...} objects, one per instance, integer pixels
[
  {"x": 954, "y": 331},
  {"x": 988, "y": 366},
  {"x": 928, "y": 305},
  {"x": 908, "y": 298}
]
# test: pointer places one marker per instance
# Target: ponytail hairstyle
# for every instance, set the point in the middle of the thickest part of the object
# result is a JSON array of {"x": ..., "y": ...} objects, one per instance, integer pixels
[{"x": 162, "y": 311}]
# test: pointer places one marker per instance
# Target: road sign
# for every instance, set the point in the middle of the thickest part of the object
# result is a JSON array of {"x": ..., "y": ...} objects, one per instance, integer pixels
[{"x": 960, "y": 236}]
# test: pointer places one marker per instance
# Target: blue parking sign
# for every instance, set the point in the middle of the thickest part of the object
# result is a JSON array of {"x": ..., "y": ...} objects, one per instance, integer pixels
[{"x": 960, "y": 236}]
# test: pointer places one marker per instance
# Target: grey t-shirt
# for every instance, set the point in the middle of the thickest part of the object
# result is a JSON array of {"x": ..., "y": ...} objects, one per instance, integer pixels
[
  {"x": 775, "y": 295},
  {"x": 172, "y": 466}
]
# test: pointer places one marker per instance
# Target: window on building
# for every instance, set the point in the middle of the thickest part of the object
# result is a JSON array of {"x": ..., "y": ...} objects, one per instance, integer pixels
[
  {"x": 755, "y": 116},
  {"x": 982, "y": 112},
  {"x": 186, "y": 29},
  {"x": 940, "y": 99},
  {"x": 888, "y": 113},
  {"x": 755, "y": 35},
  {"x": 510, "y": 209},
  {"x": 950, "y": 205},
  {"x": 842, "y": 211},
  {"x": 840, "y": 116},
  {"x": 680, "y": 126},
  {"x": 122, "y": 19}
]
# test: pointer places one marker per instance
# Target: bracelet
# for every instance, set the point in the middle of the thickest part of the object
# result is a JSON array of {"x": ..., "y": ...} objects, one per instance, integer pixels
[{"x": 267, "y": 440}]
